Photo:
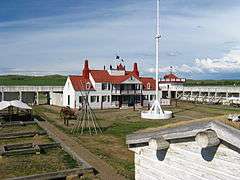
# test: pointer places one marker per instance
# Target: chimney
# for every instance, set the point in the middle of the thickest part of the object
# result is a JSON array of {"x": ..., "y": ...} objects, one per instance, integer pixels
[
  {"x": 135, "y": 69},
  {"x": 85, "y": 72}
]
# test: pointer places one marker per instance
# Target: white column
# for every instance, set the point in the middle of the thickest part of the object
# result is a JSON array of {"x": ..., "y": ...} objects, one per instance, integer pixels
[
  {"x": 51, "y": 97},
  {"x": 160, "y": 94},
  {"x": 20, "y": 95},
  {"x": 37, "y": 98},
  {"x": 208, "y": 94},
  {"x": 169, "y": 94}
]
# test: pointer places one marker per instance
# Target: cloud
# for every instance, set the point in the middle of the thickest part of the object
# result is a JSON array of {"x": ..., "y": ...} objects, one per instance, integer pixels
[
  {"x": 173, "y": 53},
  {"x": 230, "y": 62}
]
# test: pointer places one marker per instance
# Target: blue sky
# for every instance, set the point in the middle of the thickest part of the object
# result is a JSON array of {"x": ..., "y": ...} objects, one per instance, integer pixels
[{"x": 200, "y": 39}]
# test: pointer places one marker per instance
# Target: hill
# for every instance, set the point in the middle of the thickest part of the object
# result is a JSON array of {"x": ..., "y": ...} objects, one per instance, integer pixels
[
  {"x": 51, "y": 80},
  {"x": 59, "y": 80}
]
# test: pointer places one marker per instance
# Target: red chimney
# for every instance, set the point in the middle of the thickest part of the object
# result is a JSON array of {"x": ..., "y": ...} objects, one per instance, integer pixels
[
  {"x": 135, "y": 69},
  {"x": 85, "y": 71}
]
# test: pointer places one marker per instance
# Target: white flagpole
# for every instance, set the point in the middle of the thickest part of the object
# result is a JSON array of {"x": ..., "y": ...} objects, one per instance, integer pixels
[
  {"x": 157, "y": 49},
  {"x": 156, "y": 112}
]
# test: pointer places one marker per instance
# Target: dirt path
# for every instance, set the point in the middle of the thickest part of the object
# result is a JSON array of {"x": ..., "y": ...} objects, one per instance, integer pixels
[{"x": 106, "y": 171}]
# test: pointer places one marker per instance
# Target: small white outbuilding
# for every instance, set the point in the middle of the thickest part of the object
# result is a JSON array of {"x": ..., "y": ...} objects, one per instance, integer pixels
[{"x": 197, "y": 151}]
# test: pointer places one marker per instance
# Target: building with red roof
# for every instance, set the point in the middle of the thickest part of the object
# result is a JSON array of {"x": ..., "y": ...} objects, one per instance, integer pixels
[{"x": 115, "y": 87}]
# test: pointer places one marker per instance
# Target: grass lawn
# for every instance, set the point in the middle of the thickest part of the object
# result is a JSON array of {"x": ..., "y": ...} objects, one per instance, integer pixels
[
  {"x": 50, "y": 160},
  {"x": 41, "y": 139},
  {"x": 25, "y": 128},
  {"x": 51, "y": 80},
  {"x": 118, "y": 123}
]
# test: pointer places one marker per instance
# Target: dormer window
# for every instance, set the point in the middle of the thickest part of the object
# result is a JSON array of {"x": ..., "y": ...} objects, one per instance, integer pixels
[
  {"x": 148, "y": 85},
  {"x": 88, "y": 86}
]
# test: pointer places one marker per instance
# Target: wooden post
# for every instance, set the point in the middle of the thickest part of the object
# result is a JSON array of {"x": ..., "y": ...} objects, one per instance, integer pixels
[
  {"x": 207, "y": 138},
  {"x": 158, "y": 143}
]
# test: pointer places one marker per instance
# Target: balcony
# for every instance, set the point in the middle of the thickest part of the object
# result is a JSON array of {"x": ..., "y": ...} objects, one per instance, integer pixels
[{"x": 126, "y": 92}]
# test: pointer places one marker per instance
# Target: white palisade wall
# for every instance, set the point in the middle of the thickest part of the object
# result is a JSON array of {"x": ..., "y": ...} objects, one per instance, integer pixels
[{"x": 184, "y": 161}]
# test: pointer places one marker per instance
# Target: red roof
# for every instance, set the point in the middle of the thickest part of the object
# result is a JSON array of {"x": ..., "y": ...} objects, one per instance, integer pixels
[
  {"x": 100, "y": 75},
  {"x": 146, "y": 80},
  {"x": 120, "y": 79},
  {"x": 80, "y": 83},
  {"x": 104, "y": 76},
  {"x": 170, "y": 76}
]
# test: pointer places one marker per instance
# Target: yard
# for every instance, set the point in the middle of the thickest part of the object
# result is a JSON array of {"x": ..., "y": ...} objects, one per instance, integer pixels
[
  {"x": 50, "y": 160},
  {"x": 116, "y": 124}
]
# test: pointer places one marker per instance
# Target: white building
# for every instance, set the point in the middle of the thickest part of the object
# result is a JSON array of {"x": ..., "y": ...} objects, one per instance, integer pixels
[
  {"x": 112, "y": 88},
  {"x": 199, "y": 151}
]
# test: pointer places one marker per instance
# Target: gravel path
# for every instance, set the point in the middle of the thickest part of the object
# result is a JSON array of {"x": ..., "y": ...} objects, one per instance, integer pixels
[{"x": 106, "y": 172}]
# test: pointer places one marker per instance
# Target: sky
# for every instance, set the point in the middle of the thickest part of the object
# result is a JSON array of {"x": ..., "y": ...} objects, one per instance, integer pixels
[{"x": 199, "y": 39}]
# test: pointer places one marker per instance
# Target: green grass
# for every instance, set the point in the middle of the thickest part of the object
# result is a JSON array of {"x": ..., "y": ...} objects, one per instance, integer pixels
[
  {"x": 43, "y": 139},
  {"x": 51, "y": 80},
  {"x": 123, "y": 128},
  {"x": 25, "y": 128},
  {"x": 51, "y": 160}
]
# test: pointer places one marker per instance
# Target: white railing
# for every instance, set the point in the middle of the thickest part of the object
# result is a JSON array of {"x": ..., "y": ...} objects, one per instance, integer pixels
[
  {"x": 31, "y": 88},
  {"x": 126, "y": 92}
]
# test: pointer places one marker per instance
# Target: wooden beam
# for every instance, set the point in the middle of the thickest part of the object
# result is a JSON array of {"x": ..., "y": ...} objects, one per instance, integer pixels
[
  {"x": 158, "y": 143},
  {"x": 207, "y": 138}
]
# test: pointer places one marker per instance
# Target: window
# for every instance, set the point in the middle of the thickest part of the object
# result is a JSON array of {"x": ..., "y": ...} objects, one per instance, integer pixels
[
  {"x": 108, "y": 98},
  {"x": 152, "y": 97},
  {"x": 88, "y": 86},
  {"x": 104, "y": 86},
  {"x": 80, "y": 99},
  {"x": 97, "y": 98},
  {"x": 93, "y": 98},
  {"x": 68, "y": 100},
  {"x": 104, "y": 98},
  {"x": 148, "y": 86}
]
